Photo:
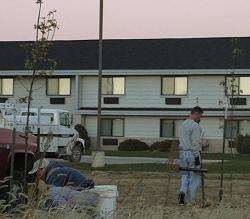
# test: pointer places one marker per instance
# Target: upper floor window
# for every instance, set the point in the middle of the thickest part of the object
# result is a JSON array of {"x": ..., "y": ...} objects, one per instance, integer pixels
[
  {"x": 6, "y": 86},
  {"x": 58, "y": 86},
  {"x": 113, "y": 85},
  {"x": 238, "y": 86},
  {"x": 174, "y": 85},
  {"x": 170, "y": 128},
  {"x": 112, "y": 127}
]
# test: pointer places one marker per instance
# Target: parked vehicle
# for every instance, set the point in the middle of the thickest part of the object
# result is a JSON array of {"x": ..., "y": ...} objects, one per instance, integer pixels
[
  {"x": 57, "y": 135},
  {"x": 6, "y": 136}
]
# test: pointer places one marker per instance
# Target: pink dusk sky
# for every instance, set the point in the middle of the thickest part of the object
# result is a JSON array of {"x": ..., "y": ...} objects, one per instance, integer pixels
[{"x": 78, "y": 19}]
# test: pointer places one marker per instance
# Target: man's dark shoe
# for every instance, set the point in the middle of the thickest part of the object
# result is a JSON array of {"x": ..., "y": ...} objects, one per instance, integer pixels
[{"x": 181, "y": 198}]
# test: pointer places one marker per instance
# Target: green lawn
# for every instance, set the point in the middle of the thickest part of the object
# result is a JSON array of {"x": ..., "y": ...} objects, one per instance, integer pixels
[
  {"x": 158, "y": 154},
  {"x": 237, "y": 166},
  {"x": 240, "y": 163}
]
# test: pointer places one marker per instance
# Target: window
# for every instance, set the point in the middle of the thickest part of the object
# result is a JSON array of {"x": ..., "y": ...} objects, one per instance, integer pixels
[
  {"x": 48, "y": 115},
  {"x": 235, "y": 128},
  {"x": 113, "y": 127},
  {"x": 238, "y": 86},
  {"x": 64, "y": 119},
  {"x": 174, "y": 85},
  {"x": 6, "y": 86},
  {"x": 232, "y": 129},
  {"x": 58, "y": 86},
  {"x": 170, "y": 128},
  {"x": 244, "y": 127},
  {"x": 177, "y": 127},
  {"x": 113, "y": 85}
]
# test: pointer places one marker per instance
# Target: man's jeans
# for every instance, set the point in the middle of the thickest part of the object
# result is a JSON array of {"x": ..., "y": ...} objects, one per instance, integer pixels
[{"x": 190, "y": 181}]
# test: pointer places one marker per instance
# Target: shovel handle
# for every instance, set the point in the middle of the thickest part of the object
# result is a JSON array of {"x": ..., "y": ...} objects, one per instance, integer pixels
[{"x": 193, "y": 169}]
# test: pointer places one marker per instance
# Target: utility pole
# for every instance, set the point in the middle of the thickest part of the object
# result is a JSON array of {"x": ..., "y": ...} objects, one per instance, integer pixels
[
  {"x": 98, "y": 156},
  {"x": 12, "y": 163},
  {"x": 223, "y": 150},
  {"x": 99, "y": 113}
]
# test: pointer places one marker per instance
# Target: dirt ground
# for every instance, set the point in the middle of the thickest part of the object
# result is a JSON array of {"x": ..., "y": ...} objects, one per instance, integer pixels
[
  {"x": 154, "y": 195},
  {"x": 145, "y": 195}
]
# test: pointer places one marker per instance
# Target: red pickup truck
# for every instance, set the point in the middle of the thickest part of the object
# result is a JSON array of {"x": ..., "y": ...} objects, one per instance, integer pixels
[{"x": 6, "y": 136}]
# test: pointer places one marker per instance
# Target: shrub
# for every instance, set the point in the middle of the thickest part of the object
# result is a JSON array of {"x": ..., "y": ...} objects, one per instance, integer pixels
[
  {"x": 163, "y": 146},
  {"x": 243, "y": 144},
  {"x": 83, "y": 133},
  {"x": 133, "y": 145}
]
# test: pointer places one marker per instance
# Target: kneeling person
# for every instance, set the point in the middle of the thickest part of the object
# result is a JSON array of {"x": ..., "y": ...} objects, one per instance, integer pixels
[{"x": 56, "y": 174}]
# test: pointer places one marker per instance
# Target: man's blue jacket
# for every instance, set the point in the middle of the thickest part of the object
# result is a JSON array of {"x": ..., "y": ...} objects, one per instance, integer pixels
[{"x": 59, "y": 175}]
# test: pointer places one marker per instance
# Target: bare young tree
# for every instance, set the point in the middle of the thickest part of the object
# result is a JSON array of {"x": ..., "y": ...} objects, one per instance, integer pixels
[
  {"x": 38, "y": 63},
  {"x": 232, "y": 90}
]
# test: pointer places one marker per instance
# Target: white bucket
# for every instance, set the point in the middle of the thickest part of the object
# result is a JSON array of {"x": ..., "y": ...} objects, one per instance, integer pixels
[{"x": 107, "y": 201}]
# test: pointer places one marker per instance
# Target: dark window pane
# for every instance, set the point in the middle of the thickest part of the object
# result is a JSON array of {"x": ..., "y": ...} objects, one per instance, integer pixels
[
  {"x": 64, "y": 119},
  {"x": 110, "y": 141},
  {"x": 106, "y": 127},
  {"x": 167, "y": 128},
  {"x": 57, "y": 100},
  {"x": 111, "y": 100},
  {"x": 232, "y": 129},
  {"x": 0, "y": 86}
]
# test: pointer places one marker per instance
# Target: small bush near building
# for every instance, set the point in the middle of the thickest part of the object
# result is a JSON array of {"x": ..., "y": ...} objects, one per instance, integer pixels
[
  {"x": 162, "y": 146},
  {"x": 83, "y": 133},
  {"x": 133, "y": 145},
  {"x": 243, "y": 144}
]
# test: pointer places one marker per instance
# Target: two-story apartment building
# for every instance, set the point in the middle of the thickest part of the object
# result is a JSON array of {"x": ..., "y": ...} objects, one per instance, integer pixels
[{"x": 149, "y": 86}]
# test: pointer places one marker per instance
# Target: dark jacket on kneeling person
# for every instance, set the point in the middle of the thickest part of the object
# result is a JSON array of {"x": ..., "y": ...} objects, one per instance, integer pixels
[{"x": 59, "y": 175}]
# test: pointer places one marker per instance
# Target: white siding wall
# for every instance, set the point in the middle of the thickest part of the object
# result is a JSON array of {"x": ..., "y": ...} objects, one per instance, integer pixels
[
  {"x": 39, "y": 96},
  {"x": 212, "y": 128},
  {"x": 88, "y": 92},
  {"x": 91, "y": 125},
  {"x": 149, "y": 127},
  {"x": 145, "y": 91},
  {"x": 207, "y": 89}
]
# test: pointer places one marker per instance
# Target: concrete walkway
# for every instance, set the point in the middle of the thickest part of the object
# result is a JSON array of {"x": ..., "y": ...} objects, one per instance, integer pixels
[{"x": 137, "y": 160}]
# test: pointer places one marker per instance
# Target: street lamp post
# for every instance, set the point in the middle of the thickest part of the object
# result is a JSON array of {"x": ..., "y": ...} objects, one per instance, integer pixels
[
  {"x": 223, "y": 151},
  {"x": 98, "y": 156},
  {"x": 100, "y": 77}
]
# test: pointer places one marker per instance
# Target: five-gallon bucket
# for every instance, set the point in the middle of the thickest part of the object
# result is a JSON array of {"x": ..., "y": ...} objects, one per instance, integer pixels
[{"x": 107, "y": 201}]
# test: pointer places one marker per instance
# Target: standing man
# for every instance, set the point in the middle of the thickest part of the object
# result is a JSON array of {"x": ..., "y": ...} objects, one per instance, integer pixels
[{"x": 190, "y": 149}]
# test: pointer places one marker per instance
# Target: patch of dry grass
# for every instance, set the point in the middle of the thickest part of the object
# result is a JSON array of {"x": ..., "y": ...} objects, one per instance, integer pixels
[{"x": 154, "y": 196}]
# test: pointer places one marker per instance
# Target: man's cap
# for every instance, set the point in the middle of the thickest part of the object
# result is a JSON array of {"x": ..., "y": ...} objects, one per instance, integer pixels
[{"x": 39, "y": 164}]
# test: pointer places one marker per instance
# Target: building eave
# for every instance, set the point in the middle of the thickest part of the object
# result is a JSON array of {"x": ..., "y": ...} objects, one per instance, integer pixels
[{"x": 136, "y": 72}]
